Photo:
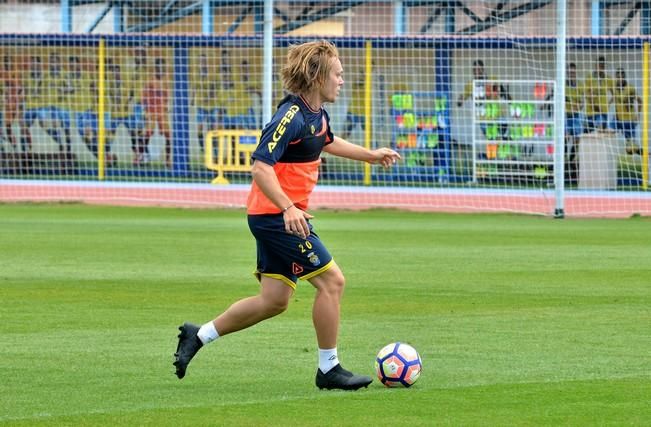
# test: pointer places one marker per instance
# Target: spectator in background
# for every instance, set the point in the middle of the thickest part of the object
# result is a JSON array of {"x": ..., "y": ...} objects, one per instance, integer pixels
[
  {"x": 204, "y": 87},
  {"x": 596, "y": 89},
  {"x": 356, "y": 106},
  {"x": 11, "y": 99},
  {"x": 156, "y": 99},
  {"x": 137, "y": 73},
  {"x": 236, "y": 94},
  {"x": 253, "y": 94},
  {"x": 235, "y": 104},
  {"x": 35, "y": 111},
  {"x": 574, "y": 100},
  {"x": 81, "y": 100},
  {"x": 2, "y": 97},
  {"x": 226, "y": 92},
  {"x": 382, "y": 119},
  {"x": 627, "y": 108},
  {"x": 117, "y": 91},
  {"x": 483, "y": 90},
  {"x": 83, "y": 103},
  {"x": 58, "y": 91},
  {"x": 225, "y": 62}
]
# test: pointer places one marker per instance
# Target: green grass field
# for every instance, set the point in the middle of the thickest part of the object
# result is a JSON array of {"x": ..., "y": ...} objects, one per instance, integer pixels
[{"x": 519, "y": 320}]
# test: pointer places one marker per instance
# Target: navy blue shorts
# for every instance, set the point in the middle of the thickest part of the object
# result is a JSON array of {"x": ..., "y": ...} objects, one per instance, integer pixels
[{"x": 285, "y": 256}]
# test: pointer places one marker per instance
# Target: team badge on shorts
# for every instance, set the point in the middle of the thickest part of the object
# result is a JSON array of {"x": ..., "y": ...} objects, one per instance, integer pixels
[{"x": 314, "y": 259}]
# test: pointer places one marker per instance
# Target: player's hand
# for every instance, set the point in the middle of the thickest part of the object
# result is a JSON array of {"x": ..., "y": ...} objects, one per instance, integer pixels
[
  {"x": 296, "y": 222},
  {"x": 385, "y": 156}
]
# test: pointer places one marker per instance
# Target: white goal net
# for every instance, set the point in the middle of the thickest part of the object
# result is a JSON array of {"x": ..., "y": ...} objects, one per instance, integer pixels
[{"x": 161, "y": 102}]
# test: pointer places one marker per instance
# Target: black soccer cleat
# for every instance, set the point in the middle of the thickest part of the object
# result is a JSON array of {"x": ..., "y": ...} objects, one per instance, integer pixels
[
  {"x": 339, "y": 378},
  {"x": 189, "y": 345}
]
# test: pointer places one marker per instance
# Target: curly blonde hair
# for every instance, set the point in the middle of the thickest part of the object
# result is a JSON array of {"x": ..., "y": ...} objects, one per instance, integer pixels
[{"x": 307, "y": 66}]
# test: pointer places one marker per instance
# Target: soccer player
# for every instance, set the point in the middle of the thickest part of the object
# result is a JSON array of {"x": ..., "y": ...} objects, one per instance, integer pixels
[
  {"x": 285, "y": 171},
  {"x": 596, "y": 89},
  {"x": 627, "y": 107}
]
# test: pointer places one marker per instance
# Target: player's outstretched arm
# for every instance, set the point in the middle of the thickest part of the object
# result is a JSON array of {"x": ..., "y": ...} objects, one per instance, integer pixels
[{"x": 342, "y": 148}]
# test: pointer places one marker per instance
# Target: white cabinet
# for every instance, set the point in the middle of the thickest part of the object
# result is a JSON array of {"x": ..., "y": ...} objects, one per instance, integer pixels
[{"x": 513, "y": 131}]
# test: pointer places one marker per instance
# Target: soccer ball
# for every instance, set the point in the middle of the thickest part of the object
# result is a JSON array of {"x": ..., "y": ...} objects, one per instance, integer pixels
[{"x": 398, "y": 365}]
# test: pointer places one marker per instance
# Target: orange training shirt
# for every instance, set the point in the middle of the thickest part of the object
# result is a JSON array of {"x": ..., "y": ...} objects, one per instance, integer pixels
[{"x": 292, "y": 143}]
